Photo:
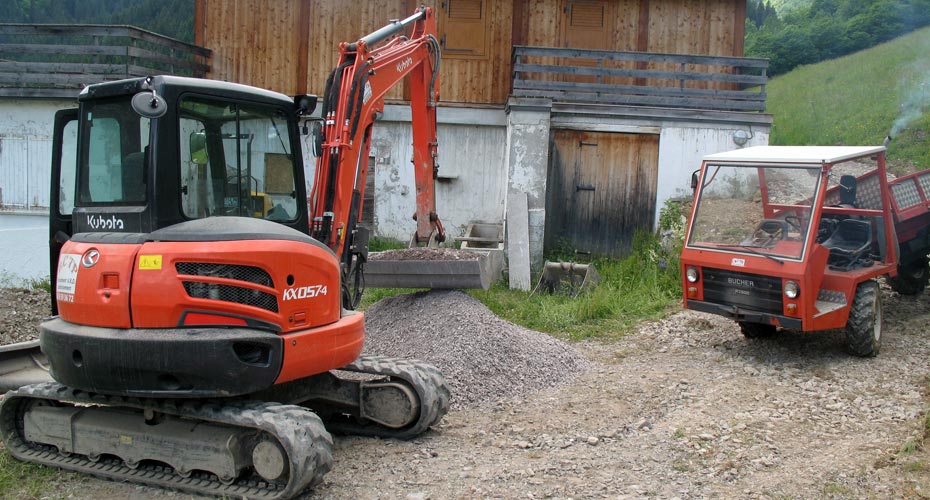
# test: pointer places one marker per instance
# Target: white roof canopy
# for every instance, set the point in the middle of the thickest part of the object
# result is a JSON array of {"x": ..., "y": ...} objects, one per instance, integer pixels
[{"x": 794, "y": 154}]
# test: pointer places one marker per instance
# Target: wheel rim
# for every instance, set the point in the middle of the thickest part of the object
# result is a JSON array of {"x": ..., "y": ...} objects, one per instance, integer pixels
[{"x": 877, "y": 322}]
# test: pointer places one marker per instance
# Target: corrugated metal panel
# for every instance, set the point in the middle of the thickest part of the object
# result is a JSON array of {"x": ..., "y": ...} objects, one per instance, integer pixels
[
  {"x": 25, "y": 176},
  {"x": 39, "y": 174},
  {"x": 472, "y": 177},
  {"x": 13, "y": 179}
]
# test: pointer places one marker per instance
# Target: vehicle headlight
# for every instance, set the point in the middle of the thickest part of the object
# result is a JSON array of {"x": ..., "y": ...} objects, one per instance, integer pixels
[
  {"x": 692, "y": 274},
  {"x": 792, "y": 290}
]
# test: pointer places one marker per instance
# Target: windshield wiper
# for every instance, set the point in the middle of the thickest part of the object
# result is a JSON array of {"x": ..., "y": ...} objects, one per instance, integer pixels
[{"x": 751, "y": 249}]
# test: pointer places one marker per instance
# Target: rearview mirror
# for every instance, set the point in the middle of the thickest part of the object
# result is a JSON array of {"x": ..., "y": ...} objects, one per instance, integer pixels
[
  {"x": 149, "y": 104},
  {"x": 198, "y": 147},
  {"x": 316, "y": 138}
]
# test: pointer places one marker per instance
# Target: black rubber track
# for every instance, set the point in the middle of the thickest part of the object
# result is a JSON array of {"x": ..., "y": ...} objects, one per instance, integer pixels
[
  {"x": 299, "y": 431},
  {"x": 425, "y": 379}
]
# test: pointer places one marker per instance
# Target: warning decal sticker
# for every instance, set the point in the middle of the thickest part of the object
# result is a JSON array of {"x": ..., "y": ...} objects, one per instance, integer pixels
[{"x": 66, "y": 283}]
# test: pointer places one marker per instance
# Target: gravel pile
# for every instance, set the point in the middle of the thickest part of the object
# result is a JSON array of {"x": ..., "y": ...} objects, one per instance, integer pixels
[
  {"x": 483, "y": 357},
  {"x": 424, "y": 253},
  {"x": 21, "y": 310}
]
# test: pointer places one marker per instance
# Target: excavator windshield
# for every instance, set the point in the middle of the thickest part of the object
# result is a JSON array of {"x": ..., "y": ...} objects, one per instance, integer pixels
[{"x": 236, "y": 159}]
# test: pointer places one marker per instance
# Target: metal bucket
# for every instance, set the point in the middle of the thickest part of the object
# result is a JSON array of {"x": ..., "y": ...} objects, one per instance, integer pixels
[
  {"x": 471, "y": 272},
  {"x": 567, "y": 278},
  {"x": 22, "y": 364}
]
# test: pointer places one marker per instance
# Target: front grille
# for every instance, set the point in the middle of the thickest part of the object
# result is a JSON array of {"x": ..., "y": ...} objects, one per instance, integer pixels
[
  {"x": 229, "y": 293},
  {"x": 748, "y": 291},
  {"x": 251, "y": 274}
]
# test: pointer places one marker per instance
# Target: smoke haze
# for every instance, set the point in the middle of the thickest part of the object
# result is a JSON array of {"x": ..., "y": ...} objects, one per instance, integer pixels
[{"x": 914, "y": 105}]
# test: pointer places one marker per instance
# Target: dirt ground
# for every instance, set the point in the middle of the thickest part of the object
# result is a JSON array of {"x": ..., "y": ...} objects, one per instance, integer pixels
[{"x": 683, "y": 408}]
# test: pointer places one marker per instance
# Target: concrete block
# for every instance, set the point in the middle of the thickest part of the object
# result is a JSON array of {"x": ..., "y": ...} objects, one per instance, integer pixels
[{"x": 518, "y": 241}]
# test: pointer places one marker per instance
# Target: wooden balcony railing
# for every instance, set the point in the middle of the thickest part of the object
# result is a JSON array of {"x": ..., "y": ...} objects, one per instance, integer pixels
[
  {"x": 57, "y": 60},
  {"x": 640, "y": 78}
]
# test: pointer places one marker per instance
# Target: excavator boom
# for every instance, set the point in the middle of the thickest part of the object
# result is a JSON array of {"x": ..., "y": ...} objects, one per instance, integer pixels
[{"x": 352, "y": 102}]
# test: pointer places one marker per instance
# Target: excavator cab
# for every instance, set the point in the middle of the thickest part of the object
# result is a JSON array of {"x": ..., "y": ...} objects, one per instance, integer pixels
[{"x": 210, "y": 149}]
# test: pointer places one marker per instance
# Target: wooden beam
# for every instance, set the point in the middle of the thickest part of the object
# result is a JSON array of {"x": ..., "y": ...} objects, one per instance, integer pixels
[
  {"x": 642, "y": 36},
  {"x": 620, "y": 55},
  {"x": 88, "y": 50},
  {"x": 301, "y": 78},
  {"x": 635, "y": 73},
  {"x": 634, "y": 100},
  {"x": 739, "y": 28},
  {"x": 605, "y": 88},
  {"x": 200, "y": 25}
]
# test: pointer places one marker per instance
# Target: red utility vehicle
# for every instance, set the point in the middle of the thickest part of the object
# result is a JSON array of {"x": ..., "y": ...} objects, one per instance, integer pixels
[{"x": 794, "y": 237}]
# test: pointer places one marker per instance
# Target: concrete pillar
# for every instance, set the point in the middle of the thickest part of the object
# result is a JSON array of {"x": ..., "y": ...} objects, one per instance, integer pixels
[{"x": 527, "y": 160}]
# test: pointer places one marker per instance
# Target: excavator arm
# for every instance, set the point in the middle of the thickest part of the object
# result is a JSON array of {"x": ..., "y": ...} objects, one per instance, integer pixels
[{"x": 353, "y": 100}]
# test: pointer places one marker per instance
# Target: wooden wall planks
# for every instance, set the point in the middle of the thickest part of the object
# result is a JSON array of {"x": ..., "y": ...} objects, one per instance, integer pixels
[
  {"x": 292, "y": 45},
  {"x": 601, "y": 190}
]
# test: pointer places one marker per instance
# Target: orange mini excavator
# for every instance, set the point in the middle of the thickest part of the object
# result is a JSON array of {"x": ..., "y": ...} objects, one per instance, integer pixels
[{"x": 201, "y": 304}]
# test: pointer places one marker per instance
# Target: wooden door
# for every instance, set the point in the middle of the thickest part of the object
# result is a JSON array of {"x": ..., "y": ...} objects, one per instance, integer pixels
[{"x": 601, "y": 190}]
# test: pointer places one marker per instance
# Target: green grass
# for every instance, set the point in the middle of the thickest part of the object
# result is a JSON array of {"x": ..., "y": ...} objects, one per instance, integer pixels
[
  {"x": 642, "y": 286},
  {"x": 645, "y": 285},
  {"x": 10, "y": 280},
  {"x": 856, "y": 99},
  {"x": 631, "y": 290},
  {"x": 20, "y": 480}
]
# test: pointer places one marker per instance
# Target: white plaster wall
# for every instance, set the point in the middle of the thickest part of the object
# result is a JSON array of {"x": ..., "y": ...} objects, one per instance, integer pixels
[
  {"x": 26, "y": 152},
  {"x": 472, "y": 173},
  {"x": 681, "y": 149}
]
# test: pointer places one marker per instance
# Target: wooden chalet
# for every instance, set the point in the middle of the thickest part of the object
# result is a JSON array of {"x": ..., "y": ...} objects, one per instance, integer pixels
[
  {"x": 593, "y": 111},
  {"x": 572, "y": 120}
]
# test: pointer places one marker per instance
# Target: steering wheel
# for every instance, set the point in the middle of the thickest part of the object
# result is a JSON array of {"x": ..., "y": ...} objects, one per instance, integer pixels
[{"x": 795, "y": 222}]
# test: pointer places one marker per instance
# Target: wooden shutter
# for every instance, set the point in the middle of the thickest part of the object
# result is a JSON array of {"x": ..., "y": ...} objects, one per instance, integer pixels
[
  {"x": 587, "y": 25},
  {"x": 463, "y": 26}
]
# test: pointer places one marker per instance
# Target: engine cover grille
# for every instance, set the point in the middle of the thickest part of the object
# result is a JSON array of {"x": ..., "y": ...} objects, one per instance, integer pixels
[
  {"x": 251, "y": 274},
  {"x": 229, "y": 293},
  {"x": 748, "y": 291}
]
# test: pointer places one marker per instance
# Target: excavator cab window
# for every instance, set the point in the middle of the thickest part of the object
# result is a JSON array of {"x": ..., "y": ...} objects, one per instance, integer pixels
[
  {"x": 114, "y": 161},
  {"x": 236, "y": 160}
]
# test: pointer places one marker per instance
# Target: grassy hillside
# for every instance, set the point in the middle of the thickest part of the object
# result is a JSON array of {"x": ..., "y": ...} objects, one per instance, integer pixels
[{"x": 858, "y": 99}]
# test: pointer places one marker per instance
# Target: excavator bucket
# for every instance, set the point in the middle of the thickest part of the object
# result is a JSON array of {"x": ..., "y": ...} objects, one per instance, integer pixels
[
  {"x": 428, "y": 268},
  {"x": 567, "y": 278},
  {"x": 22, "y": 364}
]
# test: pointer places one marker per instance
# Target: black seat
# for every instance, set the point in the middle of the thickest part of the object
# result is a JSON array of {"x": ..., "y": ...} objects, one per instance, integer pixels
[
  {"x": 849, "y": 243},
  {"x": 848, "y": 191}
]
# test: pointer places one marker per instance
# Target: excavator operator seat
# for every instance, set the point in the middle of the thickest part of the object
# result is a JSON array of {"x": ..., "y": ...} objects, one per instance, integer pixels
[
  {"x": 135, "y": 170},
  {"x": 849, "y": 244}
]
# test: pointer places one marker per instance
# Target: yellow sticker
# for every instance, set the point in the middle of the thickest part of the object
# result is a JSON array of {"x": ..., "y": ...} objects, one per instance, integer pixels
[
  {"x": 149, "y": 262},
  {"x": 124, "y": 439}
]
